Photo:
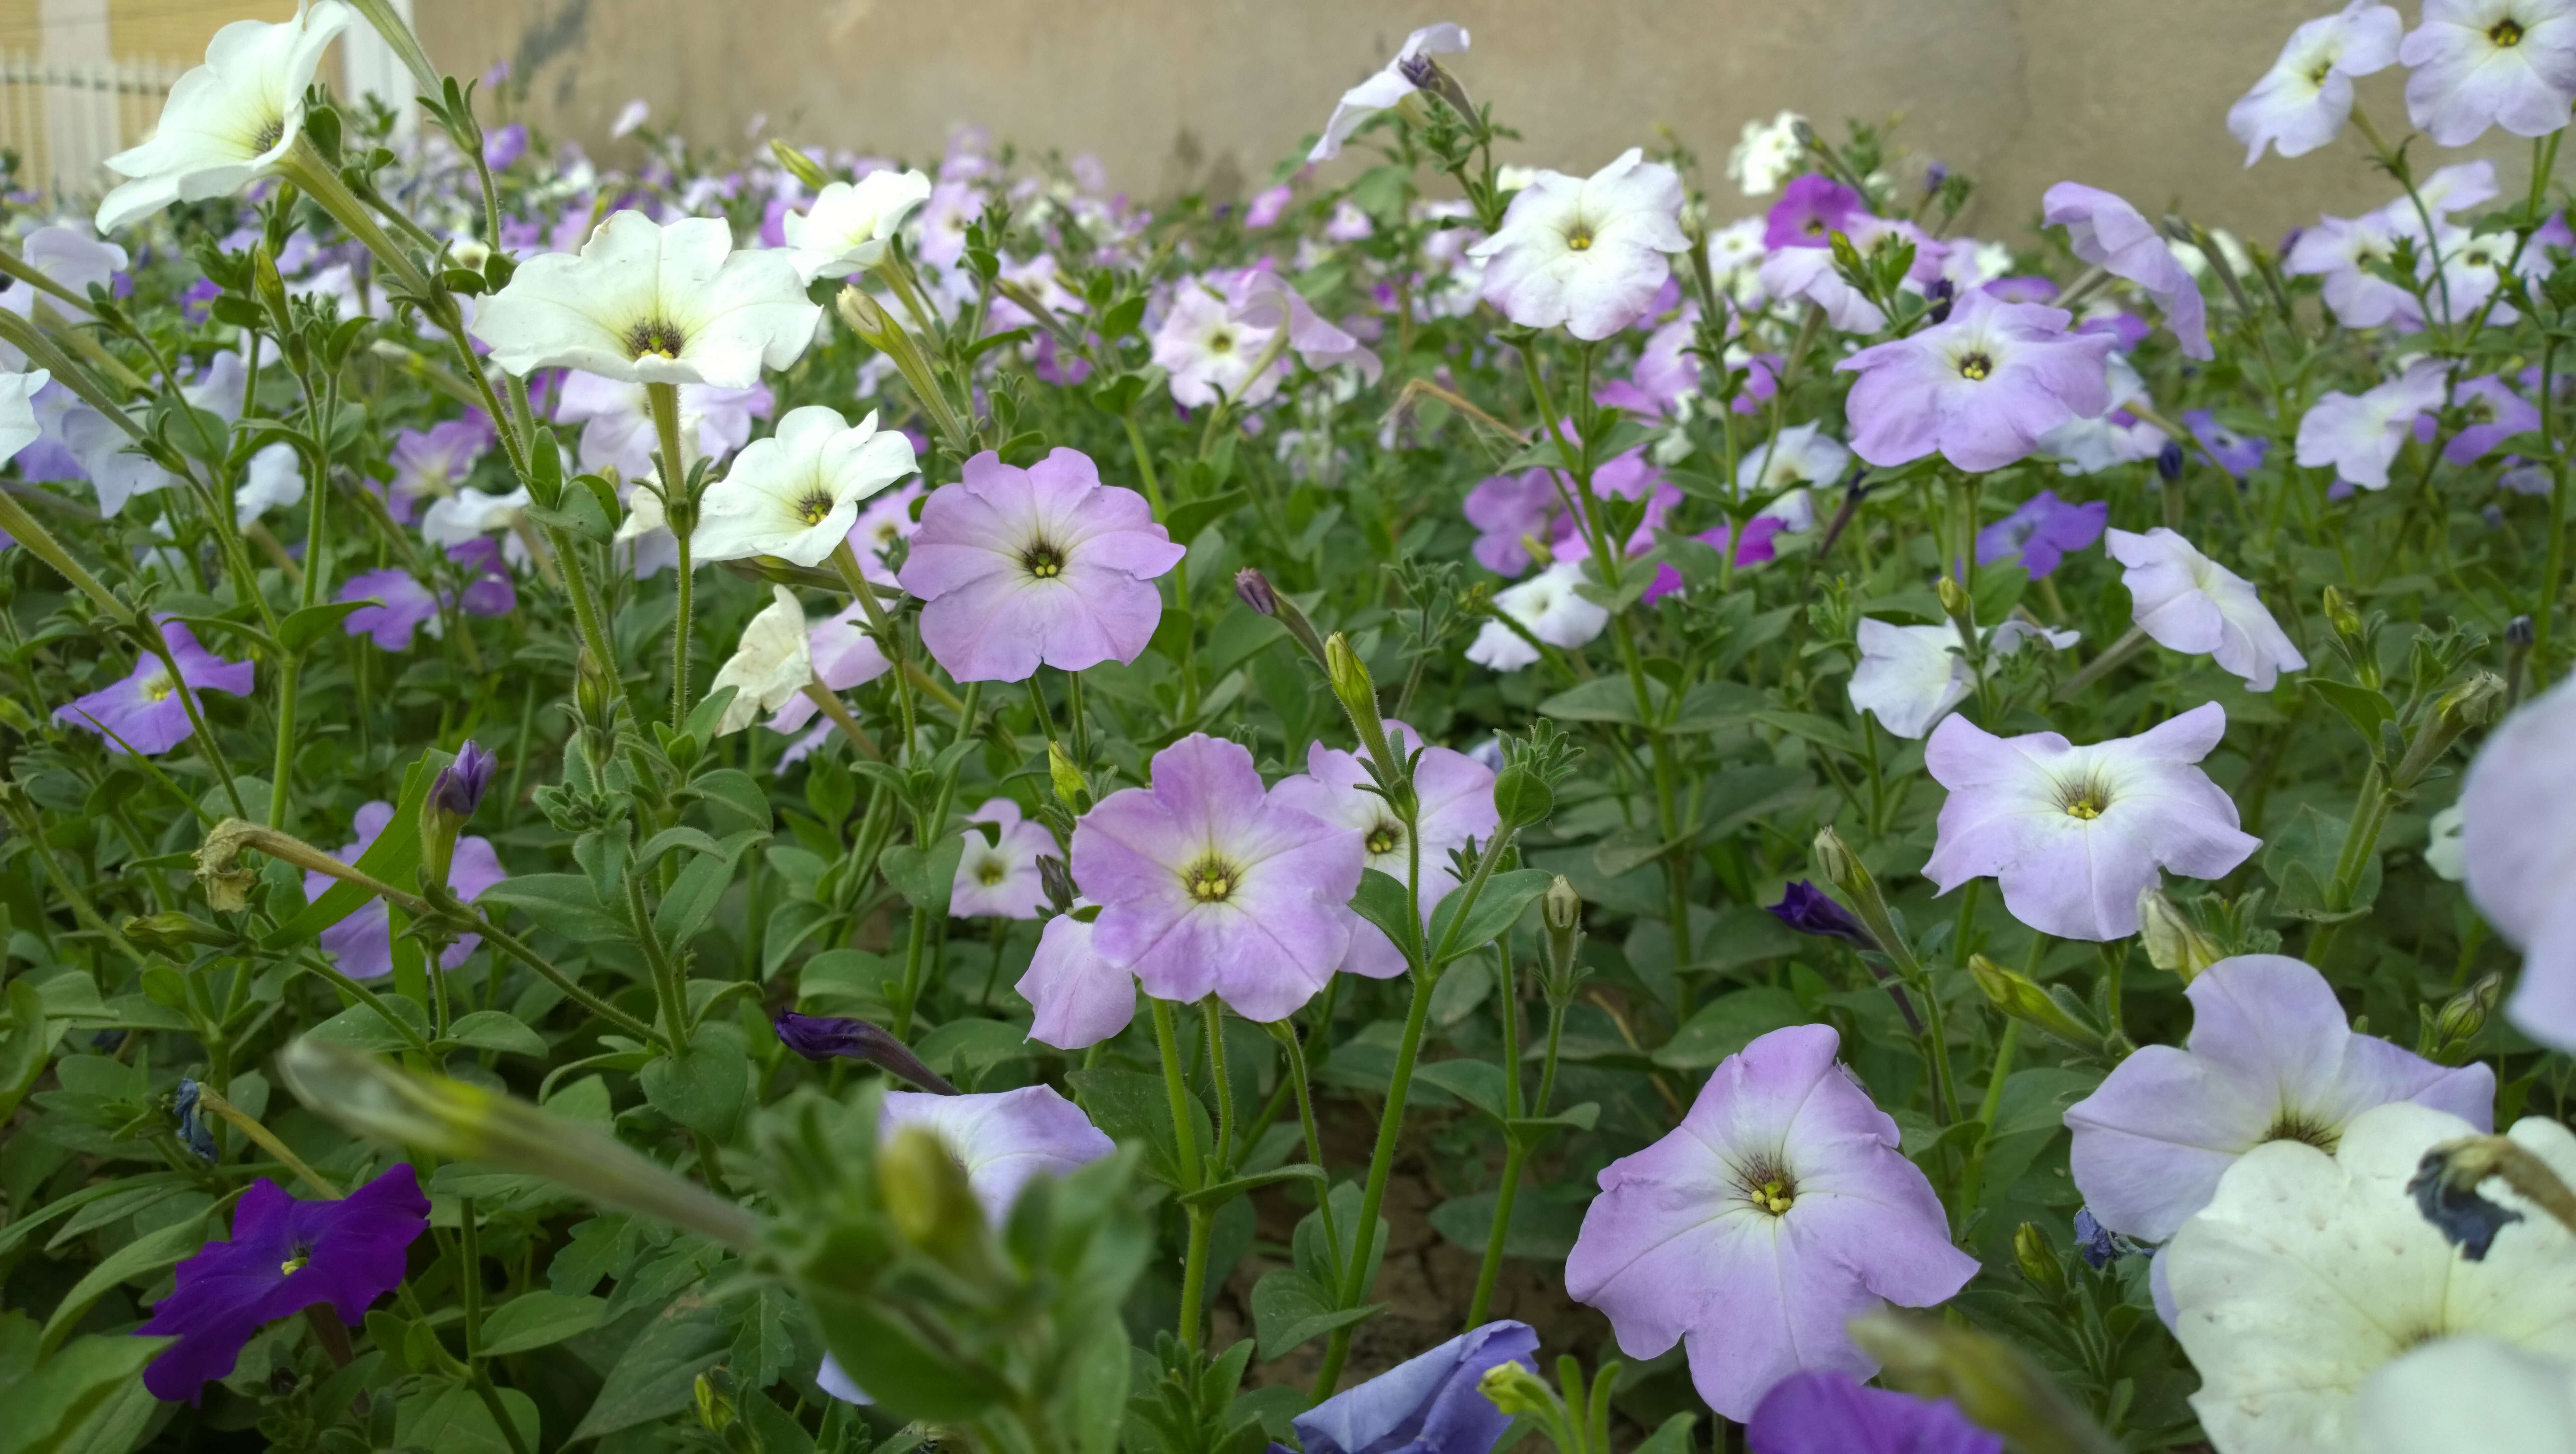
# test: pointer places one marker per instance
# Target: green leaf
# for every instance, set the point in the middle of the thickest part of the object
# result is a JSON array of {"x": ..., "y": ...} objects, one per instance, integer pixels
[
  {"x": 696, "y": 840},
  {"x": 145, "y": 1255},
  {"x": 1602, "y": 699},
  {"x": 1226, "y": 1191},
  {"x": 497, "y": 1030},
  {"x": 964, "y": 1048},
  {"x": 1727, "y": 1024},
  {"x": 394, "y": 858},
  {"x": 66, "y": 1404},
  {"x": 1186, "y": 521},
  {"x": 1101, "y": 1371},
  {"x": 2365, "y": 709},
  {"x": 2301, "y": 860},
  {"x": 302, "y": 628},
  {"x": 654, "y": 1375},
  {"x": 924, "y": 876},
  {"x": 564, "y": 904},
  {"x": 1542, "y": 1229},
  {"x": 1505, "y": 897},
  {"x": 538, "y": 1319},
  {"x": 692, "y": 899},
  {"x": 1673, "y": 1436},
  {"x": 1477, "y": 1082},
  {"x": 1383, "y": 900},
  {"x": 1289, "y": 1310},
  {"x": 764, "y": 1343},
  {"x": 455, "y": 1420},
  {"x": 1136, "y": 1111},
  {"x": 735, "y": 801},
  {"x": 702, "y": 1088},
  {"x": 362, "y": 1027}
]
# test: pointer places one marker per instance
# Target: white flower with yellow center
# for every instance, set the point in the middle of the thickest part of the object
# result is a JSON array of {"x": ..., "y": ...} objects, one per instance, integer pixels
[
  {"x": 796, "y": 494},
  {"x": 772, "y": 666},
  {"x": 230, "y": 121},
  {"x": 653, "y": 304},
  {"x": 849, "y": 225}
]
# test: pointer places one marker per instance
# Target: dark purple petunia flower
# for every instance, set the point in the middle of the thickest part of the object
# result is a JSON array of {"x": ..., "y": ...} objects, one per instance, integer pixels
[
  {"x": 1426, "y": 1405},
  {"x": 1832, "y": 1413},
  {"x": 458, "y": 789},
  {"x": 1810, "y": 211},
  {"x": 2041, "y": 532},
  {"x": 1810, "y": 910},
  {"x": 822, "y": 1037},
  {"x": 2235, "y": 453},
  {"x": 285, "y": 1256}
]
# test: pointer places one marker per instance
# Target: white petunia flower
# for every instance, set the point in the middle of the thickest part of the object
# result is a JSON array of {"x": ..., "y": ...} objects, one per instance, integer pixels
[
  {"x": 273, "y": 480},
  {"x": 1552, "y": 610},
  {"x": 2312, "y": 1271},
  {"x": 2482, "y": 63},
  {"x": 18, "y": 427},
  {"x": 470, "y": 513},
  {"x": 230, "y": 121},
  {"x": 796, "y": 494},
  {"x": 1587, "y": 252},
  {"x": 2446, "y": 851},
  {"x": 653, "y": 304},
  {"x": 1909, "y": 676},
  {"x": 1767, "y": 154},
  {"x": 1211, "y": 353},
  {"x": 2189, "y": 603},
  {"x": 1802, "y": 454},
  {"x": 1385, "y": 88},
  {"x": 2456, "y": 1394},
  {"x": 770, "y": 667},
  {"x": 849, "y": 225},
  {"x": 70, "y": 255},
  {"x": 2303, "y": 100}
]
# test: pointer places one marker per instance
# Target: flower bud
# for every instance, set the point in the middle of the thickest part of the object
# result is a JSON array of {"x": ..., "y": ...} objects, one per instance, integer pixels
[
  {"x": 715, "y": 1411},
  {"x": 1253, "y": 589},
  {"x": 2038, "y": 1259},
  {"x": 1066, "y": 779},
  {"x": 1560, "y": 912},
  {"x": 2169, "y": 463},
  {"x": 1429, "y": 75},
  {"x": 1956, "y": 603},
  {"x": 1810, "y": 910},
  {"x": 1835, "y": 861},
  {"x": 1516, "y": 1390},
  {"x": 2519, "y": 633},
  {"x": 2465, "y": 1014},
  {"x": 2174, "y": 943},
  {"x": 172, "y": 933},
  {"x": 1994, "y": 1384},
  {"x": 1256, "y": 591},
  {"x": 453, "y": 796},
  {"x": 926, "y": 1194},
  {"x": 265, "y": 281},
  {"x": 1057, "y": 880},
  {"x": 2025, "y": 1000},
  {"x": 1358, "y": 694},
  {"x": 2340, "y": 614},
  {"x": 861, "y": 312},
  {"x": 2472, "y": 703},
  {"x": 194, "y": 1133},
  {"x": 797, "y": 164},
  {"x": 824, "y": 1037}
]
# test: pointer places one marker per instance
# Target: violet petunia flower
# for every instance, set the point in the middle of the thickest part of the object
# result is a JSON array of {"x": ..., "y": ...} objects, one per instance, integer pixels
[
  {"x": 827, "y": 1037},
  {"x": 2271, "y": 1057},
  {"x": 1811, "y": 211},
  {"x": 363, "y": 943},
  {"x": 1210, "y": 884},
  {"x": 2302, "y": 102},
  {"x": 2189, "y": 603},
  {"x": 1000, "y": 878},
  {"x": 285, "y": 1256},
  {"x": 1081, "y": 996},
  {"x": 1455, "y": 794},
  {"x": 1756, "y": 549},
  {"x": 2104, "y": 230},
  {"x": 2041, "y": 531},
  {"x": 2360, "y": 434},
  {"x": 1265, "y": 301},
  {"x": 1040, "y": 566},
  {"x": 2520, "y": 860},
  {"x": 2480, "y": 63},
  {"x": 187, "y": 1107},
  {"x": 2238, "y": 454},
  {"x": 1810, "y": 910},
  {"x": 488, "y": 589},
  {"x": 1510, "y": 511},
  {"x": 402, "y": 605},
  {"x": 1834, "y": 1413},
  {"x": 459, "y": 787},
  {"x": 1002, "y": 1141},
  {"x": 2494, "y": 413},
  {"x": 505, "y": 146},
  {"x": 2075, "y": 833},
  {"x": 1428, "y": 1404},
  {"x": 145, "y": 712},
  {"x": 1779, "y": 1209},
  {"x": 1981, "y": 388},
  {"x": 1812, "y": 274}
]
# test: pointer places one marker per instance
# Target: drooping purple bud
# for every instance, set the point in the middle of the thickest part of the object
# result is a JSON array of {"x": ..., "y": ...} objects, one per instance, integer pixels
[
  {"x": 1057, "y": 880},
  {"x": 1810, "y": 910},
  {"x": 1422, "y": 72},
  {"x": 2097, "y": 1243},
  {"x": 2169, "y": 462},
  {"x": 822, "y": 1037},
  {"x": 1253, "y": 588},
  {"x": 1943, "y": 294},
  {"x": 1934, "y": 176},
  {"x": 2465, "y": 1219},
  {"x": 459, "y": 788},
  {"x": 2519, "y": 633}
]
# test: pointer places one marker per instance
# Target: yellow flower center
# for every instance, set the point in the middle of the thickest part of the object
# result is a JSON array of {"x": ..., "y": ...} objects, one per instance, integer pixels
[
  {"x": 2085, "y": 806},
  {"x": 158, "y": 686},
  {"x": 291, "y": 1266},
  {"x": 1383, "y": 838},
  {"x": 1580, "y": 239},
  {"x": 1042, "y": 561},
  {"x": 814, "y": 508},
  {"x": 1769, "y": 1188},
  {"x": 2506, "y": 33},
  {"x": 990, "y": 872},
  {"x": 1976, "y": 366},
  {"x": 1221, "y": 343},
  {"x": 1212, "y": 880},
  {"x": 274, "y": 129}
]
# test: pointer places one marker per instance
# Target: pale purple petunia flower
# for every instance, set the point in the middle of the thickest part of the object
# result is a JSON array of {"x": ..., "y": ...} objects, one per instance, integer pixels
[
  {"x": 1000, "y": 878},
  {"x": 1834, "y": 1413},
  {"x": 2482, "y": 63},
  {"x": 1456, "y": 797},
  {"x": 1981, "y": 388},
  {"x": 1267, "y": 206},
  {"x": 2338, "y": 249},
  {"x": 1756, "y": 549},
  {"x": 2304, "y": 99},
  {"x": 2041, "y": 531},
  {"x": 1040, "y": 566},
  {"x": 2521, "y": 859},
  {"x": 488, "y": 589},
  {"x": 145, "y": 711},
  {"x": 2271, "y": 1057},
  {"x": 1775, "y": 1213},
  {"x": 1813, "y": 208},
  {"x": 1811, "y": 273},
  {"x": 2189, "y": 603},
  {"x": 1210, "y": 884},
  {"x": 1431, "y": 1403},
  {"x": 1081, "y": 996},
  {"x": 2360, "y": 434},
  {"x": 943, "y": 219},
  {"x": 2075, "y": 833},
  {"x": 2240, "y": 455},
  {"x": 2106, "y": 231},
  {"x": 2495, "y": 413},
  {"x": 1210, "y": 351},
  {"x": 1385, "y": 88},
  {"x": 505, "y": 146},
  {"x": 403, "y": 606},
  {"x": 1588, "y": 253},
  {"x": 432, "y": 462},
  {"x": 363, "y": 943},
  {"x": 1508, "y": 512},
  {"x": 1266, "y": 301},
  {"x": 886, "y": 520}
]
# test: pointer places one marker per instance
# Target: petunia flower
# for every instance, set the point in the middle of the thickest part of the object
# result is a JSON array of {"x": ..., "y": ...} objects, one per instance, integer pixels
[
  {"x": 66, "y": 253},
  {"x": 2310, "y": 1272},
  {"x": 1981, "y": 389},
  {"x": 652, "y": 304},
  {"x": 1833, "y": 1413},
  {"x": 402, "y": 605},
  {"x": 943, "y": 219},
  {"x": 2360, "y": 434},
  {"x": 430, "y": 463},
  {"x": 1908, "y": 676},
  {"x": 1428, "y": 1404},
  {"x": 1810, "y": 910},
  {"x": 1813, "y": 209},
  {"x": 363, "y": 943},
  {"x": 272, "y": 479},
  {"x": 1384, "y": 89},
  {"x": 1800, "y": 454},
  {"x": 1040, "y": 566},
  {"x": 2521, "y": 861},
  {"x": 629, "y": 117},
  {"x": 835, "y": 1037},
  {"x": 842, "y": 655},
  {"x": 847, "y": 228},
  {"x": 1775, "y": 1213},
  {"x": 1754, "y": 549},
  {"x": 1081, "y": 995},
  {"x": 1212, "y": 354},
  {"x": 1766, "y": 153},
  {"x": 1455, "y": 797},
  {"x": 1210, "y": 884},
  {"x": 2480, "y": 63},
  {"x": 2494, "y": 413},
  {"x": 887, "y": 519},
  {"x": 1265, "y": 301},
  {"x": 618, "y": 432},
  {"x": 2342, "y": 250},
  {"x": 1550, "y": 607},
  {"x": 487, "y": 590},
  {"x": 2040, "y": 532},
  {"x": 2189, "y": 603},
  {"x": 770, "y": 668},
  {"x": 2239, "y": 454},
  {"x": 1000, "y": 878},
  {"x": 18, "y": 424},
  {"x": 1812, "y": 274},
  {"x": 229, "y": 122},
  {"x": 1588, "y": 253},
  {"x": 2270, "y": 1058},
  {"x": 2103, "y": 229},
  {"x": 796, "y": 494},
  {"x": 2301, "y": 103},
  {"x": 145, "y": 712},
  {"x": 1510, "y": 511},
  {"x": 2075, "y": 833},
  {"x": 470, "y": 514},
  {"x": 2468, "y": 1391},
  {"x": 285, "y": 1256}
]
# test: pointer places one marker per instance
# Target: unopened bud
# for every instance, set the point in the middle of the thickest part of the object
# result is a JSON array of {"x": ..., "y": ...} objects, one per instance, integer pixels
[
  {"x": 2174, "y": 943},
  {"x": 2465, "y": 1014},
  {"x": 1430, "y": 76},
  {"x": 715, "y": 1411},
  {"x": 926, "y": 1193},
  {"x": 2340, "y": 614},
  {"x": 1956, "y": 603},
  {"x": 173, "y": 933},
  {"x": 592, "y": 690},
  {"x": 266, "y": 282},
  {"x": 797, "y": 164},
  {"x": 2519, "y": 633},
  {"x": 1835, "y": 860},
  {"x": 1066, "y": 779},
  {"x": 1358, "y": 694},
  {"x": 1993, "y": 1383},
  {"x": 2039, "y": 1261},
  {"x": 2169, "y": 462},
  {"x": 861, "y": 312},
  {"x": 1516, "y": 1390},
  {"x": 1057, "y": 881},
  {"x": 1253, "y": 589},
  {"x": 453, "y": 796},
  {"x": 2473, "y": 703},
  {"x": 2023, "y": 999},
  {"x": 1560, "y": 912}
]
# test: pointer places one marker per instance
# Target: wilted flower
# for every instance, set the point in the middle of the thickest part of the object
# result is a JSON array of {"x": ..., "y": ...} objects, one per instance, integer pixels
[
  {"x": 1588, "y": 253},
  {"x": 230, "y": 121},
  {"x": 770, "y": 668},
  {"x": 285, "y": 1256},
  {"x": 2189, "y": 603},
  {"x": 653, "y": 304},
  {"x": 2480, "y": 63},
  {"x": 1780, "y": 1209},
  {"x": 2302, "y": 101},
  {"x": 1039, "y": 566},
  {"x": 2040, "y": 531},
  {"x": 850, "y": 224},
  {"x": 1833, "y": 1413},
  {"x": 1210, "y": 884},
  {"x": 2103, "y": 229},
  {"x": 2073, "y": 834},
  {"x": 363, "y": 943},
  {"x": 1000, "y": 878},
  {"x": 796, "y": 494},
  {"x": 2360, "y": 434},
  {"x": 145, "y": 713},
  {"x": 2521, "y": 860},
  {"x": 1385, "y": 88},
  {"x": 1455, "y": 797},
  {"x": 1549, "y": 607},
  {"x": 2270, "y": 1058},
  {"x": 1981, "y": 388},
  {"x": 1428, "y": 1404}
]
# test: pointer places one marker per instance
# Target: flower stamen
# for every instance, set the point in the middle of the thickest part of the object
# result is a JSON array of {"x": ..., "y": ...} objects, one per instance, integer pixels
[
  {"x": 1976, "y": 366},
  {"x": 655, "y": 337},
  {"x": 1768, "y": 1188},
  {"x": 1212, "y": 880},
  {"x": 1042, "y": 561},
  {"x": 2506, "y": 33}
]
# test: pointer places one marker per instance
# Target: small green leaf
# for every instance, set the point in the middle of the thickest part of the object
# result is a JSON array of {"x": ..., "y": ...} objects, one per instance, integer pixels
[
  {"x": 1186, "y": 521},
  {"x": 1506, "y": 896},
  {"x": 924, "y": 877},
  {"x": 497, "y": 1030},
  {"x": 537, "y": 1319},
  {"x": 1289, "y": 1309},
  {"x": 302, "y": 628},
  {"x": 564, "y": 904}
]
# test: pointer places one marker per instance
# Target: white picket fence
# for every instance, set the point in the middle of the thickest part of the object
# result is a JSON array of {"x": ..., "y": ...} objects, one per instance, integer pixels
[{"x": 64, "y": 118}]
